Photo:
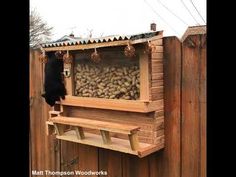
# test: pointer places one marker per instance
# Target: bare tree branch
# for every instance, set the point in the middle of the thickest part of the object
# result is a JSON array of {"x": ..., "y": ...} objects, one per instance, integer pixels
[{"x": 39, "y": 30}]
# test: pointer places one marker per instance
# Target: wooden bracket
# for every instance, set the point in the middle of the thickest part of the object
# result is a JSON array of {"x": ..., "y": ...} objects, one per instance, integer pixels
[
  {"x": 59, "y": 128},
  {"x": 49, "y": 128},
  {"x": 134, "y": 143},
  {"x": 79, "y": 133},
  {"x": 105, "y": 137}
]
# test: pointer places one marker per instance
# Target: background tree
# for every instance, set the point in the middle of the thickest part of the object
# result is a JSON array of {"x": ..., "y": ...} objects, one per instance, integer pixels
[{"x": 40, "y": 32}]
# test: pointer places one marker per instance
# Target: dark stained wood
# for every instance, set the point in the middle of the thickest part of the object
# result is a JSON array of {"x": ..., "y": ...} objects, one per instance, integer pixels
[
  {"x": 168, "y": 160},
  {"x": 88, "y": 158},
  {"x": 32, "y": 137},
  {"x": 193, "y": 109},
  {"x": 154, "y": 164},
  {"x": 135, "y": 167},
  {"x": 203, "y": 101},
  {"x": 54, "y": 155},
  {"x": 69, "y": 156},
  {"x": 110, "y": 161}
]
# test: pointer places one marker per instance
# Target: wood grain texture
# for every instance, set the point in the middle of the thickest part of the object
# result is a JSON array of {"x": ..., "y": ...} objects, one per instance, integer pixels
[
  {"x": 111, "y": 162},
  {"x": 134, "y": 143},
  {"x": 144, "y": 106},
  {"x": 94, "y": 124},
  {"x": 44, "y": 149},
  {"x": 106, "y": 137},
  {"x": 117, "y": 144},
  {"x": 79, "y": 133},
  {"x": 154, "y": 164},
  {"x": 203, "y": 104},
  {"x": 70, "y": 159},
  {"x": 88, "y": 158},
  {"x": 193, "y": 109},
  {"x": 36, "y": 114},
  {"x": 158, "y": 68},
  {"x": 157, "y": 85},
  {"x": 149, "y": 123},
  {"x": 144, "y": 77},
  {"x": 168, "y": 161},
  {"x": 158, "y": 42},
  {"x": 69, "y": 80},
  {"x": 157, "y": 55},
  {"x": 135, "y": 167}
]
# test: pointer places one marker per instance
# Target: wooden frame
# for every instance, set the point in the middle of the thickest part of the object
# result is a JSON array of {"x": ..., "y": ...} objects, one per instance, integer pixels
[
  {"x": 117, "y": 145},
  {"x": 144, "y": 76},
  {"x": 151, "y": 69},
  {"x": 122, "y": 105},
  {"x": 144, "y": 104},
  {"x": 69, "y": 80}
]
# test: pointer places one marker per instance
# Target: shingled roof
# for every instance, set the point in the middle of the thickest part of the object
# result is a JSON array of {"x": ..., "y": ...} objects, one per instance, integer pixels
[{"x": 70, "y": 41}]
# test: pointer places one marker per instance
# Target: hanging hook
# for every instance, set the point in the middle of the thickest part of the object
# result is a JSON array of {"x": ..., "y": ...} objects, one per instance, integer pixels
[
  {"x": 129, "y": 50},
  {"x": 95, "y": 57},
  {"x": 67, "y": 58}
]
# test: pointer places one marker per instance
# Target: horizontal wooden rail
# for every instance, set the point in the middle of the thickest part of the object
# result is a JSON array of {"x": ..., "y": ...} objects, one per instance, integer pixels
[
  {"x": 95, "y": 124},
  {"x": 121, "y": 105}
]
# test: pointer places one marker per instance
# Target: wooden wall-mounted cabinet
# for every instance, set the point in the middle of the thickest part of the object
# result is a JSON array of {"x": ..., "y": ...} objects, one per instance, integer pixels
[{"x": 116, "y": 103}]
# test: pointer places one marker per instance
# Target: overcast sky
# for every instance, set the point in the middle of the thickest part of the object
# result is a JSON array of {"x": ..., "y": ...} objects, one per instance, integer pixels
[{"x": 111, "y": 17}]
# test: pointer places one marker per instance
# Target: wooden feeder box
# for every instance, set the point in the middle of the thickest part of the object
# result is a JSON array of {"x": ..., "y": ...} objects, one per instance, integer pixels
[{"x": 117, "y": 102}]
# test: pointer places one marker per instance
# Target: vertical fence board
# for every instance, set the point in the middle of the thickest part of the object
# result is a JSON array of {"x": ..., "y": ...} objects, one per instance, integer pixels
[
  {"x": 33, "y": 156},
  {"x": 190, "y": 111},
  {"x": 202, "y": 87},
  {"x": 193, "y": 108},
  {"x": 168, "y": 162},
  {"x": 134, "y": 166},
  {"x": 43, "y": 154},
  {"x": 111, "y": 162},
  {"x": 154, "y": 164},
  {"x": 88, "y": 158},
  {"x": 36, "y": 114},
  {"x": 69, "y": 156}
]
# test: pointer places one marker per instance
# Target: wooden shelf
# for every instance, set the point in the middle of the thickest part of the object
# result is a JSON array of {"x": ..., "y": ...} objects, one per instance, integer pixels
[
  {"x": 120, "y": 145},
  {"x": 95, "y": 124},
  {"x": 114, "y": 104},
  {"x": 77, "y": 134}
]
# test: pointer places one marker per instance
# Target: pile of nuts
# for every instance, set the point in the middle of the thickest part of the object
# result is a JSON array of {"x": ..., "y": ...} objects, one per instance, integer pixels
[{"x": 111, "y": 82}]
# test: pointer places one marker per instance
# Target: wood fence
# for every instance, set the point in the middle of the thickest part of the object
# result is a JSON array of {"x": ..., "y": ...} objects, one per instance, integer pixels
[{"x": 184, "y": 154}]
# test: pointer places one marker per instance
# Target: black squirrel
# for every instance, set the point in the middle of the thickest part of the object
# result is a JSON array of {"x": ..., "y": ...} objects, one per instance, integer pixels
[{"x": 53, "y": 82}]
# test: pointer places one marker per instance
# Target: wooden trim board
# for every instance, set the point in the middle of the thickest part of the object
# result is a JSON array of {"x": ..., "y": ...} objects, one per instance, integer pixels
[
  {"x": 120, "y": 145},
  {"x": 144, "y": 76},
  {"x": 95, "y": 124},
  {"x": 122, "y": 105}
]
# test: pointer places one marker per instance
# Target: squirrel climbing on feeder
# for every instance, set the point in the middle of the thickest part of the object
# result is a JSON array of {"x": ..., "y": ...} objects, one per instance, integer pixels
[{"x": 54, "y": 88}]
